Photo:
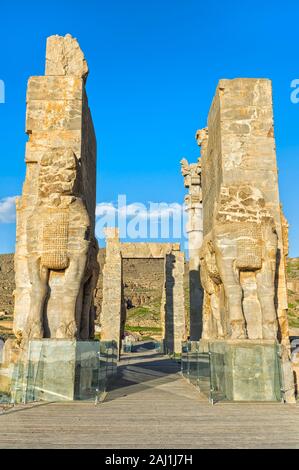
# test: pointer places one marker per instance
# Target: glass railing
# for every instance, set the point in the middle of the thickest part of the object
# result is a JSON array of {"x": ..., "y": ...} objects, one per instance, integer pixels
[
  {"x": 234, "y": 371},
  {"x": 59, "y": 370},
  {"x": 246, "y": 371},
  {"x": 159, "y": 346},
  {"x": 127, "y": 347},
  {"x": 195, "y": 366},
  {"x": 134, "y": 346}
]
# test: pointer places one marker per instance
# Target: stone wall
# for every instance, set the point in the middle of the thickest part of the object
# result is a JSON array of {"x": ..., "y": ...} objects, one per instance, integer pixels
[
  {"x": 242, "y": 213},
  {"x": 293, "y": 295},
  {"x": 142, "y": 281},
  {"x": 140, "y": 277},
  {"x": 55, "y": 259},
  {"x": 113, "y": 311},
  {"x": 7, "y": 284},
  {"x": 243, "y": 257}
]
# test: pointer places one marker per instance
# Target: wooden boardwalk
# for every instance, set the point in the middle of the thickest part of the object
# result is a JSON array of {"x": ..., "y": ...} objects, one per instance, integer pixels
[{"x": 150, "y": 406}]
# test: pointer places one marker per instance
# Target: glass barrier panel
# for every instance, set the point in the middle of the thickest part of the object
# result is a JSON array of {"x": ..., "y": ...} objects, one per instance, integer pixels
[
  {"x": 245, "y": 371},
  {"x": 204, "y": 382},
  {"x": 193, "y": 360},
  {"x": 58, "y": 370},
  {"x": 184, "y": 360},
  {"x": 195, "y": 366}
]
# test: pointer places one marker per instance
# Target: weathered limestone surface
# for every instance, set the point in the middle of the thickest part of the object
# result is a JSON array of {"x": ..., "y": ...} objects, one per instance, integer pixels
[
  {"x": 193, "y": 203},
  {"x": 174, "y": 301},
  {"x": 64, "y": 57},
  {"x": 295, "y": 364},
  {"x": 112, "y": 317},
  {"x": 243, "y": 252},
  {"x": 246, "y": 370},
  {"x": 59, "y": 370},
  {"x": 143, "y": 281},
  {"x": 112, "y": 289},
  {"x": 55, "y": 260},
  {"x": 148, "y": 250}
]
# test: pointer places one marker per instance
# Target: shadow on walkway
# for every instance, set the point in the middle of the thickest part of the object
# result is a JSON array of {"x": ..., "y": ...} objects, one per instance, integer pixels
[{"x": 141, "y": 371}]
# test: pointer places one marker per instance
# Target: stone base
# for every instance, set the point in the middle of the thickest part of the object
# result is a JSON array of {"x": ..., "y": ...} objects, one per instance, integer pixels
[
  {"x": 10, "y": 356},
  {"x": 246, "y": 370},
  {"x": 203, "y": 345},
  {"x": 295, "y": 366},
  {"x": 58, "y": 370}
]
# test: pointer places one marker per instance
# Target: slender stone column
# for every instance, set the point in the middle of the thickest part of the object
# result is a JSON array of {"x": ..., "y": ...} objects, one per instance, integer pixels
[
  {"x": 112, "y": 288},
  {"x": 175, "y": 326},
  {"x": 193, "y": 202}
]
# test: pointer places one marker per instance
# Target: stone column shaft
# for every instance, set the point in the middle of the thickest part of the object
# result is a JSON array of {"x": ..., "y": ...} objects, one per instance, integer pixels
[
  {"x": 175, "y": 326},
  {"x": 194, "y": 228},
  {"x": 112, "y": 289}
]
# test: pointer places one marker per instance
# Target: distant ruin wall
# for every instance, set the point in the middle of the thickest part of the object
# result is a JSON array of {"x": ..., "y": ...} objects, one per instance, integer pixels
[{"x": 142, "y": 281}]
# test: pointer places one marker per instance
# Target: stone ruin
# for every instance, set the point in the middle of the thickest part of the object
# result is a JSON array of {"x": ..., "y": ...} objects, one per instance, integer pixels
[
  {"x": 56, "y": 250},
  {"x": 56, "y": 266},
  {"x": 238, "y": 235},
  {"x": 172, "y": 308},
  {"x": 193, "y": 206},
  {"x": 244, "y": 248}
]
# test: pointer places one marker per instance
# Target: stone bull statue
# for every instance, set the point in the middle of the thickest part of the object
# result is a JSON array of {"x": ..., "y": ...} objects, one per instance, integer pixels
[
  {"x": 59, "y": 241},
  {"x": 243, "y": 239}
]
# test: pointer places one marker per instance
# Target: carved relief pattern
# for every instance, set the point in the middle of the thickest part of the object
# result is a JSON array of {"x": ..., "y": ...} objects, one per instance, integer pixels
[{"x": 55, "y": 241}]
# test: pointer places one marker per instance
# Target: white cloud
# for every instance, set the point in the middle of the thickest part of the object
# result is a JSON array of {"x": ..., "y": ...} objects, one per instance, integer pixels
[
  {"x": 153, "y": 211},
  {"x": 137, "y": 220},
  {"x": 104, "y": 208},
  {"x": 8, "y": 210}
]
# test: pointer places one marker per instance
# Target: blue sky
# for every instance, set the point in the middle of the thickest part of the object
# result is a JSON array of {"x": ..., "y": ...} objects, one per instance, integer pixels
[{"x": 154, "y": 66}]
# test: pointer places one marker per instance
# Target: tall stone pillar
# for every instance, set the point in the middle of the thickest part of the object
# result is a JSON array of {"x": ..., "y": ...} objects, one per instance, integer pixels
[
  {"x": 175, "y": 325},
  {"x": 242, "y": 256},
  {"x": 56, "y": 248},
  {"x": 110, "y": 318},
  {"x": 163, "y": 304},
  {"x": 193, "y": 206}
]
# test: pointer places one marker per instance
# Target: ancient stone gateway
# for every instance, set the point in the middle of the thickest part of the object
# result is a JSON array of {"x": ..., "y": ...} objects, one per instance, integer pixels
[
  {"x": 244, "y": 248},
  {"x": 56, "y": 265},
  {"x": 111, "y": 318},
  {"x": 56, "y": 249}
]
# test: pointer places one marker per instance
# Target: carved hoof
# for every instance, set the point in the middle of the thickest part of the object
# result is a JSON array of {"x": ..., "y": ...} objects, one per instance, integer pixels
[
  {"x": 71, "y": 330},
  {"x": 220, "y": 332},
  {"x": 238, "y": 331},
  {"x": 270, "y": 332},
  {"x": 36, "y": 331},
  {"x": 61, "y": 332},
  {"x": 67, "y": 331}
]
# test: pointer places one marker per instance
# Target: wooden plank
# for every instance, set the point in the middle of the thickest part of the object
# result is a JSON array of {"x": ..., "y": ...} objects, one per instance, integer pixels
[{"x": 150, "y": 406}]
